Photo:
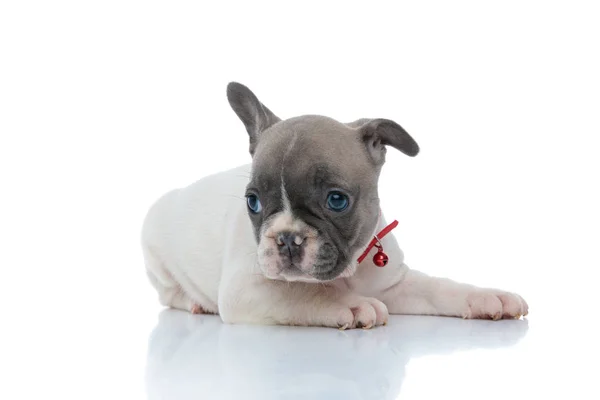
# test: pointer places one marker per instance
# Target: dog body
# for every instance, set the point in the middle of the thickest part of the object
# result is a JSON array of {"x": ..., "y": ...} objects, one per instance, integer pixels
[{"x": 278, "y": 241}]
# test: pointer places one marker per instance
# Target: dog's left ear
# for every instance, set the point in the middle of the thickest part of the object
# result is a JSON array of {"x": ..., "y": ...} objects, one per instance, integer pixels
[
  {"x": 254, "y": 114},
  {"x": 379, "y": 133}
]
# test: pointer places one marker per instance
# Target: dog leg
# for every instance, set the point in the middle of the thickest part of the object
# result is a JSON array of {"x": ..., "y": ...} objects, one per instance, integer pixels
[
  {"x": 170, "y": 293},
  {"x": 257, "y": 300},
  {"x": 418, "y": 293}
]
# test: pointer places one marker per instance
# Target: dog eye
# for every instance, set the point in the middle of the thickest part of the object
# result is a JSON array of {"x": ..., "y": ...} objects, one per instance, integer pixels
[
  {"x": 337, "y": 201},
  {"x": 253, "y": 203}
]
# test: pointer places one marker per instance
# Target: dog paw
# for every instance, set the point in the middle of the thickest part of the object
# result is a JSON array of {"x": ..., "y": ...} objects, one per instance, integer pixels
[
  {"x": 494, "y": 304},
  {"x": 197, "y": 309},
  {"x": 363, "y": 312}
]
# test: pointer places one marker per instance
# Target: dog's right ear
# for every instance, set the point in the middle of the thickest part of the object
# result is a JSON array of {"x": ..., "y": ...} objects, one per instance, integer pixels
[
  {"x": 255, "y": 115},
  {"x": 379, "y": 133}
]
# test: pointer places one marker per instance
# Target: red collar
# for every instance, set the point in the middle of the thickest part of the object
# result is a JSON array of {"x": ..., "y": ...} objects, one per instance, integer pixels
[{"x": 375, "y": 242}]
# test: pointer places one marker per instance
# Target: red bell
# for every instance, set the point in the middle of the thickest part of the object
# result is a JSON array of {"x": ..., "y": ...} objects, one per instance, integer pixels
[{"x": 380, "y": 258}]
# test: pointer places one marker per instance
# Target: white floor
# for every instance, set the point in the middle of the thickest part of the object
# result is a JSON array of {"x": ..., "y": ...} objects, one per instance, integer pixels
[
  {"x": 193, "y": 357},
  {"x": 168, "y": 354}
]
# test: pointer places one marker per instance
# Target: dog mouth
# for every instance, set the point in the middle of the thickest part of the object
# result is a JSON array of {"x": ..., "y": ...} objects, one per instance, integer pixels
[
  {"x": 316, "y": 258},
  {"x": 292, "y": 272},
  {"x": 295, "y": 274},
  {"x": 330, "y": 275},
  {"x": 292, "y": 269}
]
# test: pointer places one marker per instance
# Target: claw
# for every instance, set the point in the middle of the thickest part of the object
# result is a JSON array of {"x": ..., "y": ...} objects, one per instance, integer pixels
[
  {"x": 343, "y": 327},
  {"x": 368, "y": 326},
  {"x": 385, "y": 322}
]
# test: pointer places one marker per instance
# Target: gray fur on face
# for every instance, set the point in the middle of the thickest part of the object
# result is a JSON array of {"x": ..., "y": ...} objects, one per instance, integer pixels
[{"x": 309, "y": 156}]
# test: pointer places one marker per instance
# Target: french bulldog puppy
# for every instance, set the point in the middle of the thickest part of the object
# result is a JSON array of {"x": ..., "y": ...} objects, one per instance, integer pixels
[{"x": 278, "y": 241}]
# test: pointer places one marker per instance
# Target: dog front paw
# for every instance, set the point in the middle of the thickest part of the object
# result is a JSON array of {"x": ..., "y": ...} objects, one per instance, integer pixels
[
  {"x": 494, "y": 304},
  {"x": 362, "y": 312}
]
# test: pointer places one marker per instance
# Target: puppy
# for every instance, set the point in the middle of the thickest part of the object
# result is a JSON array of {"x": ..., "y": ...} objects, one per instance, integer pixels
[{"x": 279, "y": 241}]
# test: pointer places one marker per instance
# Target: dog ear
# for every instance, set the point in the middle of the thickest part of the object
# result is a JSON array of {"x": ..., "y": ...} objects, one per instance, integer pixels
[
  {"x": 379, "y": 133},
  {"x": 255, "y": 115}
]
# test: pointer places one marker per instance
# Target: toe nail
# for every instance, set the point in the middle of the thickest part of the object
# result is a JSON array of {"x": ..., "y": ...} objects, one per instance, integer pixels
[
  {"x": 359, "y": 324},
  {"x": 343, "y": 327},
  {"x": 368, "y": 326},
  {"x": 385, "y": 322},
  {"x": 518, "y": 316}
]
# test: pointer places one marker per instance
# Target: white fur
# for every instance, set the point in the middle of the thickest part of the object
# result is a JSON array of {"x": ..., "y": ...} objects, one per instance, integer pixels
[
  {"x": 201, "y": 255},
  {"x": 270, "y": 264}
]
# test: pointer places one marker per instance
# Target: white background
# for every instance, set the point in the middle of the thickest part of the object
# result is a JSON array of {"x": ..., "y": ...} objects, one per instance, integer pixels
[{"x": 105, "y": 105}]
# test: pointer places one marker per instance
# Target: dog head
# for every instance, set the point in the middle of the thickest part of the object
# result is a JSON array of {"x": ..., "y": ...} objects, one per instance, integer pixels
[{"x": 312, "y": 196}]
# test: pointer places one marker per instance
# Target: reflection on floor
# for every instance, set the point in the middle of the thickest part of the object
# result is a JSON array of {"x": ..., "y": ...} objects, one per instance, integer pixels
[{"x": 191, "y": 356}]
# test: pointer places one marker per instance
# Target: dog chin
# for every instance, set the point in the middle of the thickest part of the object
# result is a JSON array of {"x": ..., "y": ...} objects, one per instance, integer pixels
[
  {"x": 299, "y": 276},
  {"x": 280, "y": 275}
]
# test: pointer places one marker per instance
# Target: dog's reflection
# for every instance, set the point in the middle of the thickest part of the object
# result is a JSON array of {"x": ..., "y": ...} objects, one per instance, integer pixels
[{"x": 196, "y": 356}]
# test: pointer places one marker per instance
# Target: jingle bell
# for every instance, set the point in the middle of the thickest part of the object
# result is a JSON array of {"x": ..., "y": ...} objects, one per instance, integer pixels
[{"x": 380, "y": 259}]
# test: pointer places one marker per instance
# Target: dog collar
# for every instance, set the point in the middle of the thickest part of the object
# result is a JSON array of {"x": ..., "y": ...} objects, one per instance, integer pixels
[{"x": 380, "y": 259}]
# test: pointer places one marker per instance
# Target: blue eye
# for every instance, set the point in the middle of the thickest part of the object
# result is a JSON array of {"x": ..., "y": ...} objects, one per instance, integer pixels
[
  {"x": 253, "y": 203},
  {"x": 337, "y": 201}
]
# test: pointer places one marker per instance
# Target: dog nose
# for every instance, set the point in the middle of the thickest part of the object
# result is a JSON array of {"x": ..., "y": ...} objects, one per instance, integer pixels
[{"x": 289, "y": 242}]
